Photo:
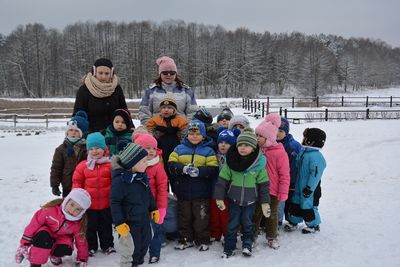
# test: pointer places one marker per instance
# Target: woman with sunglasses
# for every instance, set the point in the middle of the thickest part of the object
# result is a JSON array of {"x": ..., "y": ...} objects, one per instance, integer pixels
[{"x": 167, "y": 81}]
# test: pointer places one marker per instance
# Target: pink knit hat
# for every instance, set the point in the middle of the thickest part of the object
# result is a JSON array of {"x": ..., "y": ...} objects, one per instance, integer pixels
[
  {"x": 166, "y": 64},
  {"x": 268, "y": 131},
  {"x": 145, "y": 140},
  {"x": 274, "y": 119}
]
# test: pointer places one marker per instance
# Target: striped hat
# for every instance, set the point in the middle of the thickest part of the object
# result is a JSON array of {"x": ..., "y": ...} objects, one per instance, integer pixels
[
  {"x": 131, "y": 155},
  {"x": 247, "y": 137}
]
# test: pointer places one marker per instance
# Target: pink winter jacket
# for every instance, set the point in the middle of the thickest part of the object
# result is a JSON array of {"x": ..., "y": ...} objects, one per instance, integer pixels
[
  {"x": 53, "y": 221},
  {"x": 278, "y": 170}
]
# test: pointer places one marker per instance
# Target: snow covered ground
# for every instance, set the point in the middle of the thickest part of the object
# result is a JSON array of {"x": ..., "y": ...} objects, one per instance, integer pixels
[{"x": 359, "y": 204}]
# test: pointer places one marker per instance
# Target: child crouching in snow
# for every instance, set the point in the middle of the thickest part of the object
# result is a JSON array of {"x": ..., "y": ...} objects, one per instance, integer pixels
[{"x": 54, "y": 229}]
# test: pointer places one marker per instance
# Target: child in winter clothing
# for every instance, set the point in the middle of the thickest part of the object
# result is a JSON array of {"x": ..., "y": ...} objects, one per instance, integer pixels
[
  {"x": 278, "y": 171},
  {"x": 158, "y": 182},
  {"x": 94, "y": 175},
  {"x": 193, "y": 165},
  {"x": 310, "y": 166},
  {"x": 244, "y": 180},
  {"x": 54, "y": 229},
  {"x": 132, "y": 203},
  {"x": 69, "y": 154},
  {"x": 224, "y": 118},
  {"x": 219, "y": 218},
  {"x": 238, "y": 121},
  {"x": 292, "y": 148},
  {"x": 205, "y": 117},
  {"x": 120, "y": 129}
]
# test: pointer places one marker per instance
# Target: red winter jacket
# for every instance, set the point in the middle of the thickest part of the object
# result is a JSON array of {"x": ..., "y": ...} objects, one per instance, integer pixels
[
  {"x": 158, "y": 181},
  {"x": 97, "y": 182},
  {"x": 53, "y": 221}
]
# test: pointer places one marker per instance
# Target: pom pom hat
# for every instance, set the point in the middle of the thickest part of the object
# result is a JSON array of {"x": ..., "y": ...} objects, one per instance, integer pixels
[
  {"x": 145, "y": 140},
  {"x": 196, "y": 126},
  {"x": 166, "y": 64},
  {"x": 247, "y": 137},
  {"x": 131, "y": 155},
  {"x": 79, "y": 122},
  {"x": 269, "y": 131},
  {"x": 95, "y": 139},
  {"x": 80, "y": 196},
  {"x": 239, "y": 119},
  {"x": 203, "y": 115},
  {"x": 314, "y": 137},
  {"x": 228, "y": 136},
  {"x": 284, "y": 125}
]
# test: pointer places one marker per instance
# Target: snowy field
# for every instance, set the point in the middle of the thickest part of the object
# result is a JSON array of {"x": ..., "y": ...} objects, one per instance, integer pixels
[{"x": 359, "y": 204}]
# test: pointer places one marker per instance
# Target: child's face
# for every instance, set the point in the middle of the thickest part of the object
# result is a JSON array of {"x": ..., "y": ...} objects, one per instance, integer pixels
[
  {"x": 223, "y": 147},
  {"x": 244, "y": 150},
  {"x": 151, "y": 153},
  {"x": 96, "y": 152},
  {"x": 119, "y": 124},
  {"x": 195, "y": 138},
  {"x": 73, "y": 133},
  {"x": 167, "y": 111},
  {"x": 73, "y": 208},
  {"x": 261, "y": 140},
  {"x": 224, "y": 123},
  {"x": 281, "y": 134},
  {"x": 140, "y": 166},
  {"x": 103, "y": 74}
]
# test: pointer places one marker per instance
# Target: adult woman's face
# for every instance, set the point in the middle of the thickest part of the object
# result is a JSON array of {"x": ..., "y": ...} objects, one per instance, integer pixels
[
  {"x": 168, "y": 76},
  {"x": 103, "y": 74}
]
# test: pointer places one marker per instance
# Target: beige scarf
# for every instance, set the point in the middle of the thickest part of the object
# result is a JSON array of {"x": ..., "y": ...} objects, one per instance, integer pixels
[{"x": 99, "y": 89}]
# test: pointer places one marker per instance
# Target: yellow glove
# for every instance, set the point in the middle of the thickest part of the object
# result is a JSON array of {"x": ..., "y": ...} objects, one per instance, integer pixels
[
  {"x": 155, "y": 216},
  {"x": 123, "y": 229},
  {"x": 220, "y": 204},
  {"x": 266, "y": 210}
]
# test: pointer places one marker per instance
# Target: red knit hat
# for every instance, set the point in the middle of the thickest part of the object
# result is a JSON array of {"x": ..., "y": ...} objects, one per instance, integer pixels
[
  {"x": 166, "y": 64},
  {"x": 145, "y": 140}
]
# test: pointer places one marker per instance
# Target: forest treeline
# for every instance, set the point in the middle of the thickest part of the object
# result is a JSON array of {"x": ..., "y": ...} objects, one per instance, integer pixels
[{"x": 36, "y": 61}]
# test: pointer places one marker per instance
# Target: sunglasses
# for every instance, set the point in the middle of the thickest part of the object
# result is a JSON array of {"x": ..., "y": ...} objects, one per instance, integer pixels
[{"x": 170, "y": 73}]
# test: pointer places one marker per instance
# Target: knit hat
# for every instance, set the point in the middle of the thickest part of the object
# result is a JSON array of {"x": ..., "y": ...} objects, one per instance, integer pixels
[
  {"x": 273, "y": 118},
  {"x": 269, "y": 131},
  {"x": 203, "y": 115},
  {"x": 314, "y": 137},
  {"x": 239, "y": 119},
  {"x": 169, "y": 100},
  {"x": 284, "y": 125},
  {"x": 228, "y": 136},
  {"x": 130, "y": 155},
  {"x": 145, "y": 140},
  {"x": 166, "y": 64},
  {"x": 126, "y": 116},
  {"x": 80, "y": 196},
  {"x": 196, "y": 126},
  {"x": 78, "y": 122},
  {"x": 103, "y": 62},
  {"x": 226, "y": 114},
  {"x": 247, "y": 137},
  {"x": 95, "y": 139}
]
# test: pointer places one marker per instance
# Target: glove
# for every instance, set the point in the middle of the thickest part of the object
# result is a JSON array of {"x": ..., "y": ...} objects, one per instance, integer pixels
[
  {"x": 186, "y": 168},
  {"x": 163, "y": 212},
  {"x": 81, "y": 264},
  {"x": 22, "y": 252},
  {"x": 155, "y": 216},
  {"x": 266, "y": 210},
  {"x": 220, "y": 204},
  {"x": 56, "y": 191},
  {"x": 307, "y": 191},
  {"x": 191, "y": 170},
  {"x": 123, "y": 229}
]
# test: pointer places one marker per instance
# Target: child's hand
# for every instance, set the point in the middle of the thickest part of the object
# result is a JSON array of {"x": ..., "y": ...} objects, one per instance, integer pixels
[
  {"x": 155, "y": 216},
  {"x": 22, "y": 252},
  {"x": 266, "y": 209},
  {"x": 56, "y": 191},
  {"x": 122, "y": 229},
  {"x": 307, "y": 191},
  {"x": 220, "y": 204}
]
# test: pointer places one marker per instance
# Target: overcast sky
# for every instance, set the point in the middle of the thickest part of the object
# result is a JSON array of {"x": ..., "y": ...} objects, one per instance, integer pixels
[{"x": 377, "y": 19}]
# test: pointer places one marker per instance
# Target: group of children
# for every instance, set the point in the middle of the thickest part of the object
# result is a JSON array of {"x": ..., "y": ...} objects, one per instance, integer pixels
[{"x": 225, "y": 177}]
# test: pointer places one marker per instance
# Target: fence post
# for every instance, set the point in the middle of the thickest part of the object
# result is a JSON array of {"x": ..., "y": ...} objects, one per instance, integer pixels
[
  {"x": 317, "y": 101},
  {"x": 15, "y": 120},
  {"x": 292, "y": 101},
  {"x": 285, "y": 113},
  {"x": 248, "y": 104},
  {"x": 367, "y": 115},
  {"x": 366, "y": 102},
  {"x": 243, "y": 103},
  {"x": 342, "y": 101},
  {"x": 326, "y": 114},
  {"x": 391, "y": 101},
  {"x": 262, "y": 111},
  {"x": 47, "y": 120},
  {"x": 251, "y": 106},
  {"x": 267, "y": 105},
  {"x": 280, "y": 111},
  {"x": 259, "y": 105}
]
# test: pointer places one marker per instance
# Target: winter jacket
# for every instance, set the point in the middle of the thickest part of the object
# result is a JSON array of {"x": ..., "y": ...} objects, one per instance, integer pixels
[
  {"x": 201, "y": 156},
  {"x": 278, "y": 171},
  {"x": 158, "y": 181},
  {"x": 292, "y": 148},
  {"x": 131, "y": 200},
  {"x": 65, "y": 159},
  {"x": 100, "y": 110},
  {"x": 153, "y": 96},
  {"x": 97, "y": 182},
  {"x": 53, "y": 221},
  {"x": 244, "y": 188},
  {"x": 113, "y": 137},
  {"x": 310, "y": 166}
]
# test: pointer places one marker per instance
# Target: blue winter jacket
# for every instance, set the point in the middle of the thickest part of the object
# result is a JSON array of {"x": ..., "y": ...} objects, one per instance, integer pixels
[
  {"x": 292, "y": 148},
  {"x": 310, "y": 166}
]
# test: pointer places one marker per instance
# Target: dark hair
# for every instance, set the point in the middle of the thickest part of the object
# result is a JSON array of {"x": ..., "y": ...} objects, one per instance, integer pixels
[{"x": 178, "y": 81}]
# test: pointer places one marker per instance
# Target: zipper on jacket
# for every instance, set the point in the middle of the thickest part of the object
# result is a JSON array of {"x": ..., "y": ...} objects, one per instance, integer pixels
[{"x": 242, "y": 190}]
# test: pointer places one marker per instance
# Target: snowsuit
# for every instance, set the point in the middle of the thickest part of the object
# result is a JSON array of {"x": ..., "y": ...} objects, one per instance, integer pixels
[{"x": 113, "y": 137}]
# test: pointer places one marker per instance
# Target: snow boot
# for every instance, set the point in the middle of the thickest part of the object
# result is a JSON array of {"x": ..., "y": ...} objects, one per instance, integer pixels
[
  {"x": 290, "y": 227},
  {"x": 246, "y": 252},
  {"x": 310, "y": 230}
]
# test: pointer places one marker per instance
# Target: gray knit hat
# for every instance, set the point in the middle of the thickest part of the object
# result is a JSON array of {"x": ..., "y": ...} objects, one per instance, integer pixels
[{"x": 247, "y": 137}]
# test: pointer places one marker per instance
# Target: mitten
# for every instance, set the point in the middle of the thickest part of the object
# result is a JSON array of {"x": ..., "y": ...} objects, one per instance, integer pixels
[
  {"x": 185, "y": 169},
  {"x": 266, "y": 210},
  {"x": 193, "y": 171},
  {"x": 307, "y": 191},
  {"x": 22, "y": 252},
  {"x": 163, "y": 212},
  {"x": 81, "y": 264},
  {"x": 155, "y": 216},
  {"x": 122, "y": 229},
  {"x": 220, "y": 204},
  {"x": 55, "y": 191}
]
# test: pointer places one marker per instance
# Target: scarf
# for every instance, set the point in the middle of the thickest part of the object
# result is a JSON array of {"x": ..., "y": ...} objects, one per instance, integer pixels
[
  {"x": 153, "y": 161},
  {"x": 239, "y": 163},
  {"x": 73, "y": 145},
  {"x": 99, "y": 89},
  {"x": 91, "y": 162}
]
